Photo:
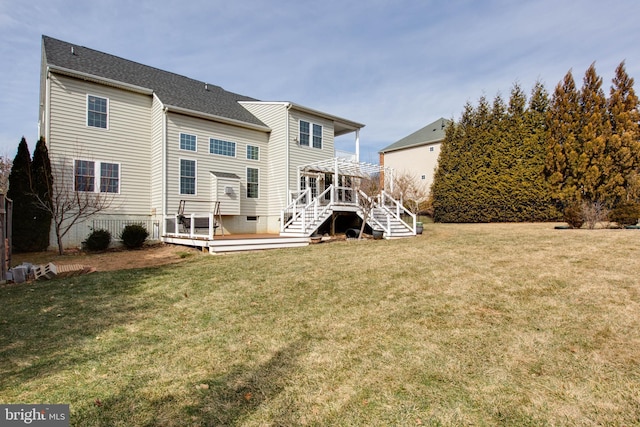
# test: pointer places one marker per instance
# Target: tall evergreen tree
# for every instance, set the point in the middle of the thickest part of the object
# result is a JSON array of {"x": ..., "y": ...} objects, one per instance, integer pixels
[
  {"x": 595, "y": 130},
  {"x": 535, "y": 142},
  {"x": 563, "y": 121},
  {"x": 42, "y": 188},
  {"x": 491, "y": 163},
  {"x": 23, "y": 201},
  {"x": 623, "y": 148}
]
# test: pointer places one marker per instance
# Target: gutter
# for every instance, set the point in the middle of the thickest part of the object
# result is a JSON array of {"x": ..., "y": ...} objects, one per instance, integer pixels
[
  {"x": 216, "y": 118},
  {"x": 97, "y": 79}
]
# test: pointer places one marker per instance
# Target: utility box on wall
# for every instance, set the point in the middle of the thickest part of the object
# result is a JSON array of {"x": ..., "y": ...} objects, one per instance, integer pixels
[{"x": 225, "y": 188}]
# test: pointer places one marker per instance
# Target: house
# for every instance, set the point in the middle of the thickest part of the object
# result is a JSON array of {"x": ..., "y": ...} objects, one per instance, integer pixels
[
  {"x": 417, "y": 154},
  {"x": 188, "y": 159}
]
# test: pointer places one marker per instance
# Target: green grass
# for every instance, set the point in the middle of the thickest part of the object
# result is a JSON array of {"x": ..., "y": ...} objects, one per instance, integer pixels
[{"x": 497, "y": 324}]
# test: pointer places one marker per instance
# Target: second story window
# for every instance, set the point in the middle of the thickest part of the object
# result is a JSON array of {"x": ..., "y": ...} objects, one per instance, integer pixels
[
  {"x": 253, "y": 152},
  {"x": 310, "y": 134},
  {"x": 97, "y": 111},
  {"x": 317, "y": 136},
  {"x": 304, "y": 133},
  {"x": 187, "y": 142},
  {"x": 222, "y": 148}
]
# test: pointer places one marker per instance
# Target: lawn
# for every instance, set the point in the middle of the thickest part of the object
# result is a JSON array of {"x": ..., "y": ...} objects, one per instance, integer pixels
[{"x": 493, "y": 324}]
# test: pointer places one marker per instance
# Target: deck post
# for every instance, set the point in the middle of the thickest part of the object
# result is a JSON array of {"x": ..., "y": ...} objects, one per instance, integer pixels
[{"x": 211, "y": 226}]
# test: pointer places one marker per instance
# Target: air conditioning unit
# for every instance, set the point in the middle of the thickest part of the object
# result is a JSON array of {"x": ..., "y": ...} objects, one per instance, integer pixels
[{"x": 228, "y": 191}]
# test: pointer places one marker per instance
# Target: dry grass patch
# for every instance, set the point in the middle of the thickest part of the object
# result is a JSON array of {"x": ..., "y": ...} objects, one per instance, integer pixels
[{"x": 498, "y": 324}]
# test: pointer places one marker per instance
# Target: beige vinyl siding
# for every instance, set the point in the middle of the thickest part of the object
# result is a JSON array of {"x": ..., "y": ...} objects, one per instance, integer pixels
[
  {"x": 207, "y": 162},
  {"x": 302, "y": 155},
  {"x": 156, "y": 156},
  {"x": 417, "y": 162},
  {"x": 274, "y": 115},
  {"x": 127, "y": 141}
]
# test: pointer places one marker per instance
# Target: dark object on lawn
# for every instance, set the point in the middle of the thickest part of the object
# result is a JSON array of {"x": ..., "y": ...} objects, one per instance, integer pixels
[{"x": 352, "y": 233}]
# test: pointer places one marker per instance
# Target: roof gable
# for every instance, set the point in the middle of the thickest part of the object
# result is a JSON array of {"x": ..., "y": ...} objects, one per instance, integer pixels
[
  {"x": 172, "y": 89},
  {"x": 431, "y": 133}
]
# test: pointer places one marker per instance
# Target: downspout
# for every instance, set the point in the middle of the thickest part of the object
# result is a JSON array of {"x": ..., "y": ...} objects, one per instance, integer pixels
[
  {"x": 47, "y": 110},
  {"x": 164, "y": 170},
  {"x": 287, "y": 155}
]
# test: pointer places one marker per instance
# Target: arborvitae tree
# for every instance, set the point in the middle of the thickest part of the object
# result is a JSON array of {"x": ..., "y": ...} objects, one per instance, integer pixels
[
  {"x": 491, "y": 163},
  {"x": 535, "y": 151},
  {"x": 42, "y": 188},
  {"x": 623, "y": 148},
  {"x": 453, "y": 172},
  {"x": 23, "y": 201},
  {"x": 595, "y": 130},
  {"x": 563, "y": 121}
]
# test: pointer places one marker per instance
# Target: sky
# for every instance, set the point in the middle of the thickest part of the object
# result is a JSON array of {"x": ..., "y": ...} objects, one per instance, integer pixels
[{"x": 393, "y": 65}]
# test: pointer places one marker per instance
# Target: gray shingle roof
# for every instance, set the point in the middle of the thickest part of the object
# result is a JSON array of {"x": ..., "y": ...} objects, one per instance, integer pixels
[
  {"x": 433, "y": 132},
  {"x": 172, "y": 89}
]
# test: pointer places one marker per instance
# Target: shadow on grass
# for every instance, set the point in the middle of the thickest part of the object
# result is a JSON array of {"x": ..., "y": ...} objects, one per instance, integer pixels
[
  {"x": 44, "y": 323},
  {"x": 215, "y": 401}
]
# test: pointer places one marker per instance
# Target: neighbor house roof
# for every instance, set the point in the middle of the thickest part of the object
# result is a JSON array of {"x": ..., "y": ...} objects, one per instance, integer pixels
[
  {"x": 431, "y": 133},
  {"x": 182, "y": 93}
]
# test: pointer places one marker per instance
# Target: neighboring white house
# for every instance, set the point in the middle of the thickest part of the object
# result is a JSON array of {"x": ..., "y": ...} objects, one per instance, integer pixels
[
  {"x": 163, "y": 144},
  {"x": 417, "y": 154}
]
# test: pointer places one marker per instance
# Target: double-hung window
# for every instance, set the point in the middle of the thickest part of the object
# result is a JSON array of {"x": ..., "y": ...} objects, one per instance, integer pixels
[
  {"x": 253, "y": 152},
  {"x": 222, "y": 148},
  {"x": 304, "y": 133},
  {"x": 310, "y": 134},
  {"x": 317, "y": 136},
  {"x": 188, "y": 142},
  {"x": 97, "y": 111},
  {"x": 252, "y": 183},
  {"x": 92, "y": 176},
  {"x": 187, "y": 176}
]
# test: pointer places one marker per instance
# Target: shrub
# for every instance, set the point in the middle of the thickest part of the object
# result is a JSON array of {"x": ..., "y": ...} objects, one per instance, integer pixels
[
  {"x": 133, "y": 236},
  {"x": 98, "y": 240},
  {"x": 625, "y": 214},
  {"x": 573, "y": 215},
  {"x": 593, "y": 213}
]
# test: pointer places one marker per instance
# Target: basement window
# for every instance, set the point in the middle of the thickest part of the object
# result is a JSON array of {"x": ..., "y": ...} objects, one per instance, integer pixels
[{"x": 252, "y": 219}]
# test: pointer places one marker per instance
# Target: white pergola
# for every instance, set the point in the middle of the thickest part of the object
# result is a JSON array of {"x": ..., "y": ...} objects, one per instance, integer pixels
[{"x": 345, "y": 167}]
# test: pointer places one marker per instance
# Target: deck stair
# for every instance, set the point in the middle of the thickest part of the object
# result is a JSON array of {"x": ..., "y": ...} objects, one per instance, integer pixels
[{"x": 306, "y": 214}]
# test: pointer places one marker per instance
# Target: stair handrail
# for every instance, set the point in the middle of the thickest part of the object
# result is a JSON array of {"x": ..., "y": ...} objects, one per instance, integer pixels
[
  {"x": 293, "y": 209},
  {"x": 300, "y": 212},
  {"x": 370, "y": 217},
  {"x": 317, "y": 212},
  {"x": 399, "y": 209}
]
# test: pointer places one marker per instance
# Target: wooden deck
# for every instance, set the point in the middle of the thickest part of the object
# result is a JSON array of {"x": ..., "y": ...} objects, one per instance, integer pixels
[{"x": 237, "y": 242}]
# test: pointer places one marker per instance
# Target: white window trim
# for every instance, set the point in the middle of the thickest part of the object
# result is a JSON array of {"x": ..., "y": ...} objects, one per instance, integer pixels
[
  {"x": 235, "y": 149},
  {"x": 195, "y": 182},
  {"x": 247, "y": 150},
  {"x": 180, "y": 142},
  {"x": 86, "y": 112},
  {"x": 311, "y": 125},
  {"x": 247, "y": 181},
  {"x": 97, "y": 177}
]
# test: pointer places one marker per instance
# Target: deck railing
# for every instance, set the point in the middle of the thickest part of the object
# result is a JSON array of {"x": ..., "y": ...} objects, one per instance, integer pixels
[
  {"x": 193, "y": 225},
  {"x": 306, "y": 209},
  {"x": 396, "y": 208}
]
